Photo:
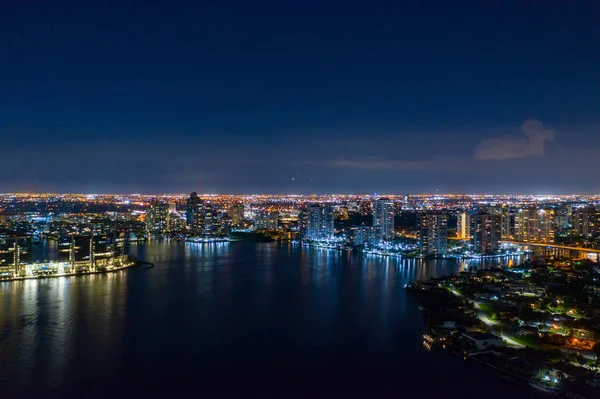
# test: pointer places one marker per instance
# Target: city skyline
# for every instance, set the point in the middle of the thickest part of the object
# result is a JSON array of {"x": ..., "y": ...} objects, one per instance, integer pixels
[
  {"x": 300, "y": 97},
  {"x": 299, "y": 198}
]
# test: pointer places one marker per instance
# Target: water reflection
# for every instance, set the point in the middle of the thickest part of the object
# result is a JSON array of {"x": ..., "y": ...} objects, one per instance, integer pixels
[{"x": 241, "y": 310}]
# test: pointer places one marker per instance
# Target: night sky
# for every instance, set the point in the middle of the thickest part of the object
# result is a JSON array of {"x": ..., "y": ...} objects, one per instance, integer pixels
[{"x": 290, "y": 96}]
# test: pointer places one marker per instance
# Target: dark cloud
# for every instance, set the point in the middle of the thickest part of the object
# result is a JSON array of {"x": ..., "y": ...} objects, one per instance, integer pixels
[
  {"x": 379, "y": 164},
  {"x": 516, "y": 147}
]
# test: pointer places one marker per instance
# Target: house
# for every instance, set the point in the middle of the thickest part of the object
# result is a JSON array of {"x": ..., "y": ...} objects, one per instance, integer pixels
[
  {"x": 528, "y": 330},
  {"x": 478, "y": 341},
  {"x": 449, "y": 325}
]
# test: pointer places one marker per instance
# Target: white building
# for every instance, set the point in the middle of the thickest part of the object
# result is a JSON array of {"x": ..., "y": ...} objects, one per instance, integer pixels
[
  {"x": 383, "y": 215},
  {"x": 319, "y": 223},
  {"x": 366, "y": 235},
  {"x": 478, "y": 341}
]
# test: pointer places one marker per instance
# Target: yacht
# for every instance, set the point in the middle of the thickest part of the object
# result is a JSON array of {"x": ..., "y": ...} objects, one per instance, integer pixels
[{"x": 543, "y": 386}]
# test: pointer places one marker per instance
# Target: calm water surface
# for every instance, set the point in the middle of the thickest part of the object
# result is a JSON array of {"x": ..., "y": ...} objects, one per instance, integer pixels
[{"x": 232, "y": 320}]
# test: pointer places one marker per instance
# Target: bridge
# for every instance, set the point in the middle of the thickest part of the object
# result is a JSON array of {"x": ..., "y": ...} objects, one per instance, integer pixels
[{"x": 551, "y": 246}]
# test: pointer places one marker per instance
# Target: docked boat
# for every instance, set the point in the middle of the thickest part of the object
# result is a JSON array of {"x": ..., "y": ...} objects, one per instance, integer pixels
[{"x": 543, "y": 386}]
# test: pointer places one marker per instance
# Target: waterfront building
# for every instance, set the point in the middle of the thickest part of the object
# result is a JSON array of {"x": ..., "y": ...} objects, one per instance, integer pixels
[
  {"x": 266, "y": 220},
  {"x": 479, "y": 342},
  {"x": 303, "y": 223},
  {"x": 14, "y": 251},
  {"x": 383, "y": 216},
  {"x": 319, "y": 223},
  {"x": 432, "y": 233},
  {"x": 194, "y": 214},
  {"x": 223, "y": 225},
  {"x": 485, "y": 233},
  {"x": 91, "y": 252},
  {"x": 366, "y": 235},
  {"x": 176, "y": 223},
  {"x": 156, "y": 218},
  {"x": 209, "y": 217}
]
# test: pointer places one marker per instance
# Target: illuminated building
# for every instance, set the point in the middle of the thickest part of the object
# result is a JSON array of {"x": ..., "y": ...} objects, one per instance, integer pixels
[
  {"x": 223, "y": 225},
  {"x": 236, "y": 211},
  {"x": 13, "y": 252},
  {"x": 365, "y": 208},
  {"x": 266, "y": 220},
  {"x": 383, "y": 216},
  {"x": 534, "y": 225},
  {"x": 564, "y": 217},
  {"x": 485, "y": 233},
  {"x": 507, "y": 223},
  {"x": 194, "y": 215},
  {"x": 432, "y": 233},
  {"x": 583, "y": 223},
  {"x": 209, "y": 218},
  {"x": 85, "y": 253},
  {"x": 176, "y": 223},
  {"x": 463, "y": 225},
  {"x": 546, "y": 226},
  {"x": 341, "y": 213},
  {"x": 156, "y": 218},
  {"x": 319, "y": 223},
  {"x": 366, "y": 235}
]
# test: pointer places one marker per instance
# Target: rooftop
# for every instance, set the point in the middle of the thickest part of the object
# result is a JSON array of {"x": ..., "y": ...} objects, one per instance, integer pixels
[{"x": 480, "y": 336}]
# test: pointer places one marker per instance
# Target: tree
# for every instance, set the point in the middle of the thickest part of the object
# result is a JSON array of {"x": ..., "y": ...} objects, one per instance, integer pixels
[{"x": 596, "y": 350}]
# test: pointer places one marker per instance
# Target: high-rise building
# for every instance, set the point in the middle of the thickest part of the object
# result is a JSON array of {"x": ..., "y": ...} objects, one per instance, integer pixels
[
  {"x": 383, "y": 216},
  {"x": 546, "y": 229},
  {"x": 521, "y": 224},
  {"x": 432, "y": 233},
  {"x": 193, "y": 214},
  {"x": 319, "y": 223},
  {"x": 534, "y": 225},
  {"x": 507, "y": 223},
  {"x": 582, "y": 222},
  {"x": 13, "y": 252},
  {"x": 156, "y": 218},
  {"x": 366, "y": 235},
  {"x": 463, "y": 225},
  {"x": 91, "y": 252},
  {"x": 266, "y": 220},
  {"x": 485, "y": 233},
  {"x": 176, "y": 223},
  {"x": 209, "y": 218},
  {"x": 564, "y": 220},
  {"x": 236, "y": 212}
]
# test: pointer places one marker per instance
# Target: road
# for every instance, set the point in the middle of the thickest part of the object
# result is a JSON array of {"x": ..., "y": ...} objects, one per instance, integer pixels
[{"x": 491, "y": 325}]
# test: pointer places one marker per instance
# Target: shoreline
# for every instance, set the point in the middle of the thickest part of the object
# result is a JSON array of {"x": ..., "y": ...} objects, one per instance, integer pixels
[{"x": 400, "y": 255}]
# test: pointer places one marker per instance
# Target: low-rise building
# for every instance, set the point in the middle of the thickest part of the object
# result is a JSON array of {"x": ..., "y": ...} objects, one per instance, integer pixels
[{"x": 478, "y": 341}]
